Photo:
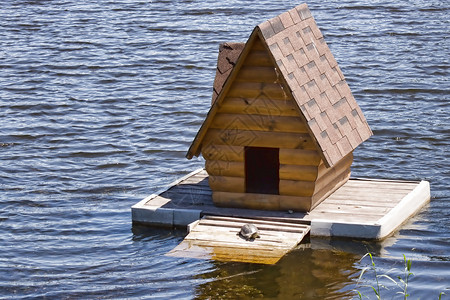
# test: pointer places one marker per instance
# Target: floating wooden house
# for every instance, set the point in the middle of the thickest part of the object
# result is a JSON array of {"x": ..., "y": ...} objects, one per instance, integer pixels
[
  {"x": 279, "y": 136},
  {"x": 283, "y": 122}
]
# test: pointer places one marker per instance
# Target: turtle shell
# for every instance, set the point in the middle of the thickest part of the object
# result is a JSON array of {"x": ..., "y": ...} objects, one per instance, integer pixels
[{"x": 249, "y": 231}]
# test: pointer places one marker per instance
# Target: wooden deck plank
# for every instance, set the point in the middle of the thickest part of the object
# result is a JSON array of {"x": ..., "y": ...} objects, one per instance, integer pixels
[
  {"x": 355, "y": 210},
  {"x": 358, "y": 192},
  {"x": 268, "y": 224},
  {"x": 200, "y": 181},
  {"x": 217, "y": 238},
  {"x": 294, "y": 217},
  {"x": 355, "y": 202},
  {"x": 367, "y": 199},
  {"x": 187, "y": 191},
  {"x": 344, "y": 217},
  {"x": 380, "y": 185}
]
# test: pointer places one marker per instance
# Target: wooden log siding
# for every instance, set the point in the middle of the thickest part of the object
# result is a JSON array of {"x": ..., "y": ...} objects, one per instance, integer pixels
[
  {"x": 223, "y": 152},
  {"x": 237, "y": 169},
  {"x": 289, "y": 174},
  {"x": 295, "y": 157},
  {"x": 297, "y": 188},
  {"x": 300, "y": 157},
  {"x": 312, "y": 182},
  {"x": 258, "y": 58},
  {"x": 341, "y": 166},
  {"x": 334, "y": 182},
  {"x": 258, "y": 106},
  {"x": 259, "y": 139},
  {"x": 225, "y": 168},
  {"x": 227, "y": 184},
  {"x": 299, "y": 173},
  {"x": 258, "y": 45},
  {"x": 235, "y": 198},
  {"x": 259, "y": 123},
  {"x": 252, "y": 90},
  {"x": 286, "y": 187},
  {"x": 230, "y": 182},
  {"x": 257, "y": 74},
  {"x": 261, "y": 201}
]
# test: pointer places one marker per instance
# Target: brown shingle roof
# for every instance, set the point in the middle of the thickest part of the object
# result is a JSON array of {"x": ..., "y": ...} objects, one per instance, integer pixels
[
  {"x": 313, "y": 77},
  {"x": 331, "y": 111},
  {"x": 228, "y": 56}
]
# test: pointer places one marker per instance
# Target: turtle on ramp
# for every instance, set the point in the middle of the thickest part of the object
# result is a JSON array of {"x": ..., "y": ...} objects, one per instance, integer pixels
[{"x": 249, "y": 232}]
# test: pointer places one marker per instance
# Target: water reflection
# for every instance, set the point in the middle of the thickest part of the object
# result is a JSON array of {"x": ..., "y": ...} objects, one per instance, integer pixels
[
  {"x": 355, "y": 246},
  {"x": 305, "y": 273},
  {"x": 319, "y": 268}
]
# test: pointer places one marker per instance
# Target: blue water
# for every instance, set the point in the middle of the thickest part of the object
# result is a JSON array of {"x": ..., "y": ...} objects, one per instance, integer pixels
[{"x": 99, "y": 101}]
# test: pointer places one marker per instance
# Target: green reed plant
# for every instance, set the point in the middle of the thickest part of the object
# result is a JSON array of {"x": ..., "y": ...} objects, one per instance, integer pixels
[
  {"x": 402, "y": 282},
  {"x": 377, "y": 287}
]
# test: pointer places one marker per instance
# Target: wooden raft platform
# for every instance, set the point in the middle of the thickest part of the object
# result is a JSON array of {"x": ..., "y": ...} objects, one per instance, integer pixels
[
  {"x": 217, "y": 238},
  {"x": 361, "y": 208}
]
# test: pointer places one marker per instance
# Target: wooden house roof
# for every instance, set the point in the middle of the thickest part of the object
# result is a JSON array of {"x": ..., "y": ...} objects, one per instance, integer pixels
[{"x": 313, "y": 78}]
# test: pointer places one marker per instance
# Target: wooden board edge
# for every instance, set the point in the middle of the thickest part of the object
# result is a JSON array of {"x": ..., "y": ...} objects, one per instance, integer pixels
[
  {"x": 192, "y": 225},
  {"x": 257, "y": 221},
  {"x": 382, "y": 228},
  {"x": 410, "y": 205},
  {"x": 329, "y": 228},
  {"x": 383, "y": 180},
  {"x": 165, "y": 217},
  {"x": 147, "y": 199}
]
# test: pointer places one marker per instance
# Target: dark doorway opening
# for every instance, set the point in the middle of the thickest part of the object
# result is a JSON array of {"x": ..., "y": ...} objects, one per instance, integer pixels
[{"x": 262, "y": 169}]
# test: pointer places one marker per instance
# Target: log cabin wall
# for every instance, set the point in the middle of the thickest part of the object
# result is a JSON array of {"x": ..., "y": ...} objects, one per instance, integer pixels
[{"x": 259, "y": 111}]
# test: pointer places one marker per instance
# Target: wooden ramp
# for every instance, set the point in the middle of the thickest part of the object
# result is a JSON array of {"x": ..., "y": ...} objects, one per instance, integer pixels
[{"x": 215, "y": 237}]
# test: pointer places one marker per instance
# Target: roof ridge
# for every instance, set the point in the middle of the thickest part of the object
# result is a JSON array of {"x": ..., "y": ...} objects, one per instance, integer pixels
[{"x": 285, "y": 20}]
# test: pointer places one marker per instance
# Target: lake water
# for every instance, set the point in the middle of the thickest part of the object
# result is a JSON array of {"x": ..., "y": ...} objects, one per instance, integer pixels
[{"x": 99, "y": 101}]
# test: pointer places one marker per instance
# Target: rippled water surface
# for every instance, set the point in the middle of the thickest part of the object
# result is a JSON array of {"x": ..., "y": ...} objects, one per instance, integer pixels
[{"x": 99, "y": 101}]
